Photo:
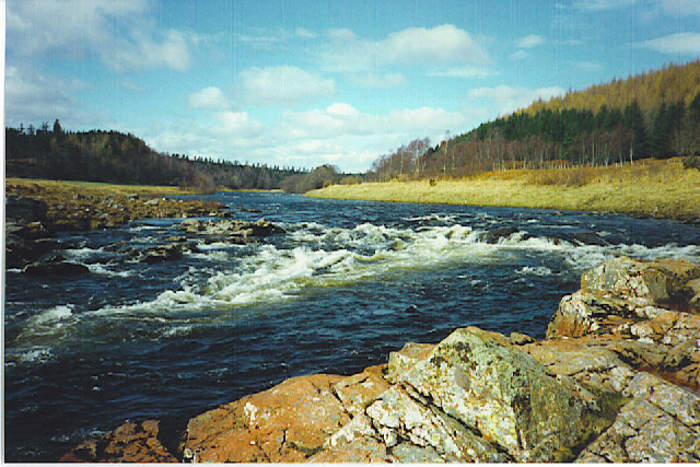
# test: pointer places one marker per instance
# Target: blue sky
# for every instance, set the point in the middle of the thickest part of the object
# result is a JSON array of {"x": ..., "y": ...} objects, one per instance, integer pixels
[{"x": 302, "y": 83}]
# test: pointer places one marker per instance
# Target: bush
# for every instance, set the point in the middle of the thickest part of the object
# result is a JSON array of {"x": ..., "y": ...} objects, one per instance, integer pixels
[{"x": 691, "y": 162}]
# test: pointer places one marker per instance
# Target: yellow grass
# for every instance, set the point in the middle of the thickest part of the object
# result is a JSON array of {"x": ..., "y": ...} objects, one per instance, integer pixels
[
  {"x": 661, "y": 189},
  {"x": 96, "y": 186}
]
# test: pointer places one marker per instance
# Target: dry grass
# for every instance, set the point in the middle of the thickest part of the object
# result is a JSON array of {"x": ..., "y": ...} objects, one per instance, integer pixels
[
  {"x": 11, "y": 183},
  {"x": 662, "y": 189}
]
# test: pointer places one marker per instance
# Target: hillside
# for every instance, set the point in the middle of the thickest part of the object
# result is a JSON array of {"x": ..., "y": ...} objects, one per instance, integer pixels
[
  {"x": 655, "y": 114},
  {"x": 114, "y": 157}
]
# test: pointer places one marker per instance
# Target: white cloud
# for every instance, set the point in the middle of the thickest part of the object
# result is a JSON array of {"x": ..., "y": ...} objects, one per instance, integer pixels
[
  {"x": 684, "y": 43},
  {"x": 441, "y": 45},
  {"x": 240, "y": 124},
  {"x": 208, "y": 98},
  {"x": 509, "y": 98},
  {"x": 32, "y": 97},
  {"x": 466, "y": 71},
  {"x": 518, "y": 55},
  {"x": 588, "y": 65},
  {"x": 375, "y": 80},
  {"x": 304, "y": 33},
  {"x": 113, "y": 30},
  {"x": 603, "y": 5},
  {"x": 681, "y": 7},
  {"x": 283, "y": 85},
  {"x": 527, "y": 42},
  {"x": 144, "y": 51}
]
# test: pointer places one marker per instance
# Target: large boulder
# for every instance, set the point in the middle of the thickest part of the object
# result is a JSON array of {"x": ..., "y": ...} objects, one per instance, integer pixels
[{"x": 503, "y": 394}]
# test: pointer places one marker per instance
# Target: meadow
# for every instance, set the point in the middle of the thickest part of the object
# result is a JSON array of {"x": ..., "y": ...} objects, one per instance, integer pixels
[{"x": 653, "y": 188}]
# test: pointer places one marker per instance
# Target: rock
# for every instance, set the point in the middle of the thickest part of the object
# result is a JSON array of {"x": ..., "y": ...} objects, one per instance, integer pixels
[
  {"x": 494, "y": 235},
  {"x": 405, "y": 358},
  {"x": 161, "y": 253},
  {"x": 356, "y": 392},
  {"x": 517, "y": 338},
  {"x": 26, "y": 243},
  {"x": 24, "y": 210},
  {"x": 398, "y": 416},
  {"x": 642, "y": 432},
  {"x": 58, "y": 268},
  {"x": 652, "y": 283},
  {"x": 130, "y": 443},
  {"x": 503, "y": 394},
  {"x": 287, "y": 423}
]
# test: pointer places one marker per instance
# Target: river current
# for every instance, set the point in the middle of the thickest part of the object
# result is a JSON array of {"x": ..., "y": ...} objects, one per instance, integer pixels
[{"x": 346, "y": 284}]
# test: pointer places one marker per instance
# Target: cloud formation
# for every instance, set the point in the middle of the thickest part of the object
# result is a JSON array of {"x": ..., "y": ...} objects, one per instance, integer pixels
[
  {"x": 512, "y": 98},
  {"x": 527, "y": 42},
  {"x": 280, "y": 85},
  {"x": 208, "y": 98},
  {"x": 113, "y": 30},
  {"x": 683, "y": 43},
  {"x": 438, "y": 46},
  {"x": 603, "y": 5}
]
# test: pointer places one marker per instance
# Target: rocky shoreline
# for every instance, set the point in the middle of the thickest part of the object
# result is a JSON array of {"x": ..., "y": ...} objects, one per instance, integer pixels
[
  {"x": 35, "y": 212},
  {"x": 615, "y": 380}
]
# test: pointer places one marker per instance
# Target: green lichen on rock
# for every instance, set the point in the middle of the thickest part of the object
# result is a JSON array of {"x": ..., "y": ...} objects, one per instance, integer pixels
[{"x": 503, "y": 394}]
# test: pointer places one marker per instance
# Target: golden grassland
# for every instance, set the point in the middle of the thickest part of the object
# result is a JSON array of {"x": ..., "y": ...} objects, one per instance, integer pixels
[
  {"x": 662, "y": 189},
  {"x": 11, "y": 183}
]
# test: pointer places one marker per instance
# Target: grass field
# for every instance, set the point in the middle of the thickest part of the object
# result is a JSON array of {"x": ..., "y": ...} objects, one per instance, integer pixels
[
  {"x": 96, "y": 186},
  {"x": 662, "y": 189}
]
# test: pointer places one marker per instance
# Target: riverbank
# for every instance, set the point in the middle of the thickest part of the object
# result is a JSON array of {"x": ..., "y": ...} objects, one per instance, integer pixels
[
  {"x": 618, "y": 368},
  {"x": 659, "y": 189},
  {"x": 37, "y": 209}
]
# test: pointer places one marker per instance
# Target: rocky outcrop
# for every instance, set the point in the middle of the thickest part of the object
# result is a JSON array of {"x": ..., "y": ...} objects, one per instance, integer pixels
[
  {"x": 616, "y": 380},
  {"x": 230, "y": 231}
]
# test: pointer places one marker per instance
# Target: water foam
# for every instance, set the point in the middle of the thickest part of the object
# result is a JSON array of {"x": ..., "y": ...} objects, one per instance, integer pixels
[{"x": 314, "y": 256}]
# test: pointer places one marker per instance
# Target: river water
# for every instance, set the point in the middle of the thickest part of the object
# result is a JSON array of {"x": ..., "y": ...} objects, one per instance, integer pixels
[{"x": 346, "y": 284}]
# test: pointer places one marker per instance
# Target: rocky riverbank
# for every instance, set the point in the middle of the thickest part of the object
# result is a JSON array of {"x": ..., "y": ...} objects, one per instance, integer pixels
[
  {"x": 615, "y": 380},
  {"x": 35, "y": 212}
]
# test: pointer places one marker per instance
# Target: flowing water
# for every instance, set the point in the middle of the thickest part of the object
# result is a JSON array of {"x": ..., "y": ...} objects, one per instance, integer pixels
[{"x": 346, "y": 284}]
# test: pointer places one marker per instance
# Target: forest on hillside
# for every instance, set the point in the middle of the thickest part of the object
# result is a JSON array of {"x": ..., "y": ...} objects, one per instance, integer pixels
[
  {"x": 656, "y": 114},
  {"x": 114, "y": 157}
]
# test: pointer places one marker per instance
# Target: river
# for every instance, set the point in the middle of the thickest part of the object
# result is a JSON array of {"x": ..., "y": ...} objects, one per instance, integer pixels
[{"x": 346, "y": 284}]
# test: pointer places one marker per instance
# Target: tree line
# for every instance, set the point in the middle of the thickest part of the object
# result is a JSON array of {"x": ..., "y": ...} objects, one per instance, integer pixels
[
  {"x": 650, "y": 115},
  {"x": 114, "y": 157}
]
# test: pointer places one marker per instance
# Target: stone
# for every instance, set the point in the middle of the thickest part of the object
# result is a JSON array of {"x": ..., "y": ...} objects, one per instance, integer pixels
[
  {"x": 396, "y": 415},
  {"x": 503, "y": 394},
  {"x": 404, "y": 359},
  {"x": 494, "y": 235},
  {"x": 59, "y": 268},
  {"x": 356, "y": 443},
  {"x": 129, "y": 443},
  {"x": 287, "y": 423},
  {"x": 654, "y": 283},
  {"x": 518, "y": 338},
  {"x": 356, "y": 392},
  {"x": 642, "y": 432},
  {"x": 23, "y": 209}
]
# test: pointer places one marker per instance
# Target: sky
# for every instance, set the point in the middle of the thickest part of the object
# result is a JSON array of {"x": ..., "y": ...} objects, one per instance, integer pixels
[{"x": 305, "y": 83}]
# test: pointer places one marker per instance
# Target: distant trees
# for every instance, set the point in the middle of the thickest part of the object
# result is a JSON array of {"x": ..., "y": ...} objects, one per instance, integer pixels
[
  {"x": 320, "y": 177},
  {"x": 110, "y": 156},
  {"x": 405, "y": 162}
]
